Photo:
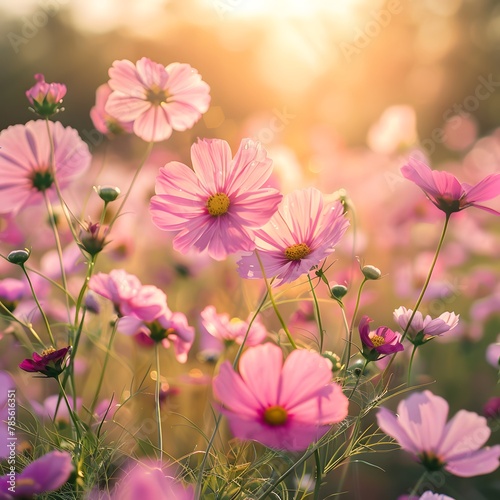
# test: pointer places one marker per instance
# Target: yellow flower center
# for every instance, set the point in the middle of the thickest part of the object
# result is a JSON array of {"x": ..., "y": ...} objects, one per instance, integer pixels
[
  {"x": 275, "y": 415},
  {"x": 218, "y": 204},
  {"x": 156, "y": 96},
  {"x": 377, "y": 340},
  {"x": 48, "y": 351},
  {"x": 297, "y": 251}
]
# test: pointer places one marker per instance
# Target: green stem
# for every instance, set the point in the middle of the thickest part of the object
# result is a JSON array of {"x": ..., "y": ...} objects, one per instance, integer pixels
[
  {"x": 422, "y": 293},
  {"x": 319, "y": 474},
  {"x": 53, "y": 225},
  {"x": 356, "y": 307},
  {"x": 71, "y": 412},
  {"x": 358, "y": 379},
  {"x": 79, "y": 301},
  {"x": 45, "y": 320},
  {"x": 346, "y": 356},
  {"x": 157, "y": 401},
  {"x": 317, "y": 314},
  {"x": 103, "y": 371},
  {"x": 414, "y": 490},
  {"x": 411, "y": 362},
  {"x": 275, "y": 307},
  {"x": 127, "y": 194},
  {"x": 29, "y": 327}
]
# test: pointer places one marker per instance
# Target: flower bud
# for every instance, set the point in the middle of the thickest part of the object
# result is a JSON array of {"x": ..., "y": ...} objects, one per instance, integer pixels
[
  {"x": 338, "y": 291},
  {"x": 107, "y": 193},
  {"x": 19, "y": 257},
  {"x": 371, "y": 272},
  {"x": 93, "y": 239},
  {"x": 334, "y": 359}
]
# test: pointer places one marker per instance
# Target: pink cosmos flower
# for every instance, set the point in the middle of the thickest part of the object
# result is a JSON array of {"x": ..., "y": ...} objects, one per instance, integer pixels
[
  {"x": 284, "y": 406},
  {"x": 157, "y": 99},
  {"x": 218, "y": 206},
  {"x": 427, "y": 495},
  {"x": 425, "y": 327},
  {"x": 147, "y": 480},
  {"x": 166, "y": 328},
  {"x": 104, "y": 122},
  {"x": 232, "y": 330},
  {"x": 445, "y": 190},
  {"x": 382, "y": 341},
  {"x": 128, "y": 294},
  {"x": 47, "y": 473},
  {"x": 493, "y": 354},
  {"x": 302, "y": 233},
  {"x": 46, "y": 98},
  {"x": 420, "y": 428},
  {"x": 25, "y": 171}
]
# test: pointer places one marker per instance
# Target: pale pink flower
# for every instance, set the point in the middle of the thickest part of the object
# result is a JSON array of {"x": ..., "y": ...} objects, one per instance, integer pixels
[
  {"x": 46, "y": 98},
  {"x": 166, "y": 328},
  {"x": 25, "y": 171},
  {"x": 427, "y": 326},
  {"x": 299, "y": 236},
  {"x": 104, "y": 122},
  {"x": 232, "y": 329},
  {"x": 157, "y": 99},
  {"x": 420, "y": 428},
  {"x": 147, "y": 480},
  {"x": 282, "y": 405},
  {"x": 493, "y": 354},
  {"x": 218, "y": 206},
  {"x": 445, "y": 190}
]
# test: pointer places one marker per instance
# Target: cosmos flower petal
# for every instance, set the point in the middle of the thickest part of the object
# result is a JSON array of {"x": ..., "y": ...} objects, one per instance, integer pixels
[{"x": 476, "y": 463}]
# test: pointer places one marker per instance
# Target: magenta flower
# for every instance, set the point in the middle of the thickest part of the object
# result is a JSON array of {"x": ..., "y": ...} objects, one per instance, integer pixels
[
  {"x": 423, "y": 329},
  {"x": 47, "y": 473},
  {"x": 25, "y": 171},
  {"x": 299, "y": 236},
  {"x": 157, "y": 99},
  {"x": 231, "y": 330},
  {"x": 284, "y": 406},
  {"x": 492, "y": 408},
  {"x": 50, "y": 363},
  {"x": 382, "y": 341},
  {"x": 445, "y": 190},
  {"x": 46, "y": 98},
  {"x": 104, "y": 122},
  {"x": 218, "y": 206},
  {"x": 420, "y": 428}
]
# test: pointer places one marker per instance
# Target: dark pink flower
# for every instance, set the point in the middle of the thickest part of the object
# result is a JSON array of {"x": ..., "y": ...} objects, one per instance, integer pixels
[
  {"x": 157, "y": 99},
  {"x": 25, "y": 171},
  {"x": 302, "y": 233},
  {"x": 47, "y": 473},
  {"x": 420, "y": 428},
  {"x": 103, "y": 121},
  {"x": 46, "y": 98},
  {"x": 50, "y": 363},
  {"x": 492, "y": 408},
  {"x": 382, "y": 341},
  {"x": 445, "y": 190},
  {"x": 219, "y": 204},
  {"x": 284, "y": 406}
]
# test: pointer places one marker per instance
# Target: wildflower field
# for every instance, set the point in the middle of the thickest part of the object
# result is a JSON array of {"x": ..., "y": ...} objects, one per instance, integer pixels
[{"x": 249, "y": 250}]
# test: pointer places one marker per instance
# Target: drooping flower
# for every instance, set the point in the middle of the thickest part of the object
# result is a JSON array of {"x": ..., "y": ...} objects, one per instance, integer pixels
[
  {"x": 447, "y": 192},
  {"x": 281, "y": 405},
  {"x": 420, "y": 428},
  {"x": 45, "y": 474},
  {"x": 165, "y": 328},
  {"x": 46, "y": 98},
  {"x": 103, "y": 121},
  {"x": 231, "y": 330},
  {"x": 25, "y": 169},
  {"x": 303, "y": 231},
  {"x": 50, "y": 363},
  {"x": 218, "y": 206},
  {"x": 382, "y": 341},
  {"x": 157, "y": 99},
  {"x": 423, "y": 329}
]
